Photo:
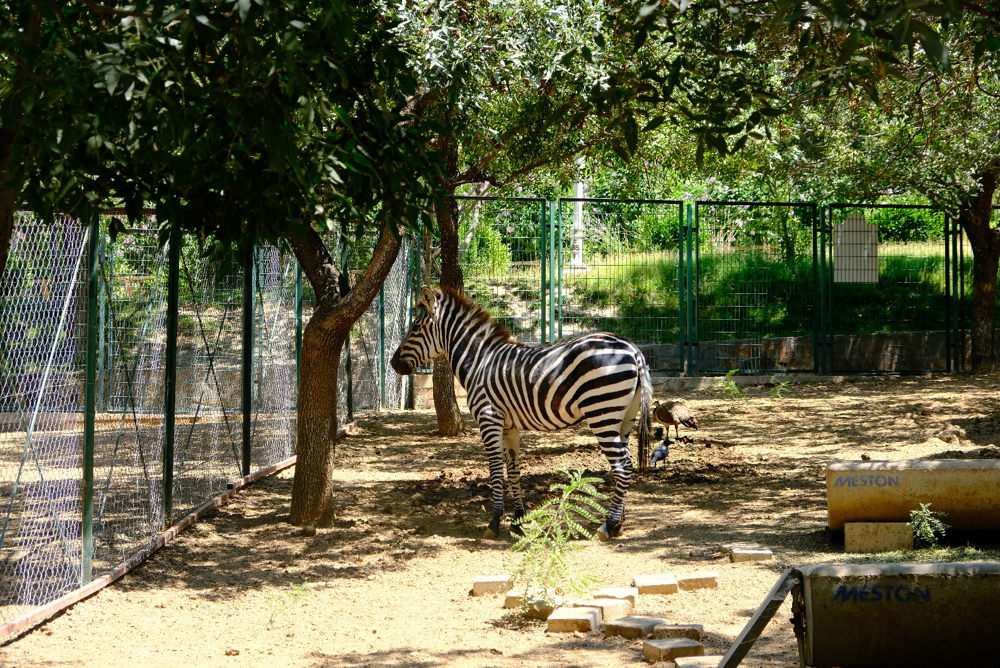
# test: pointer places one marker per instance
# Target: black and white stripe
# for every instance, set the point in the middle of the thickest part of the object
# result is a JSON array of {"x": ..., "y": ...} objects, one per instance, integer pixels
[{"x": 512, "y": 387}]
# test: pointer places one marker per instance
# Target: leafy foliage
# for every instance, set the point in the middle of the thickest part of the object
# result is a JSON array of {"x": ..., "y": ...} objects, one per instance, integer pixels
[
  {"x": 780, "y": 388},
  {"x": 927, "y": 525},
  {"x": 545, "y": 571},
  {"x": 727, "y": 388}
]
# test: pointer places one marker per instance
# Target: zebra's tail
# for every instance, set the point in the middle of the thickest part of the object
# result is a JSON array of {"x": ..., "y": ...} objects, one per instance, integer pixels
[{"x": 645, "y": 413}]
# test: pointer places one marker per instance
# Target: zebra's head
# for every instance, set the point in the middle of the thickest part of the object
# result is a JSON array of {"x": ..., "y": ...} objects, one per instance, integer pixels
[{"x": 423, "y": 342}]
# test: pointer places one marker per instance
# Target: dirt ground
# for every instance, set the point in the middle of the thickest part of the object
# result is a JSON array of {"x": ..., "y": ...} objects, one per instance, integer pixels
[{"x": 388, "y": 583}]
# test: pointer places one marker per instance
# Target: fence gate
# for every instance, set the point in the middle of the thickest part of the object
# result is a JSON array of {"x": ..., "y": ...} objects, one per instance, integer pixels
[
  {"x": 617, "y": 269},
  {"x": 751, "y": 287},
  {"x": 889, "y": 304}
]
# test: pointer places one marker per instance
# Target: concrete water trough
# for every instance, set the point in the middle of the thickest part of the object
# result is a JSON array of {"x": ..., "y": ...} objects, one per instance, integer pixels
[
  {"x": 868, "y": 615},
  {"x": 886, "y": 491},
  {"x": 901, "y": 614}
]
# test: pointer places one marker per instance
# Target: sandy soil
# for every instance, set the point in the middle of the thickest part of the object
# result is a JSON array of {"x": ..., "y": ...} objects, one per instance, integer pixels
[{"x": 388, "y": 583}]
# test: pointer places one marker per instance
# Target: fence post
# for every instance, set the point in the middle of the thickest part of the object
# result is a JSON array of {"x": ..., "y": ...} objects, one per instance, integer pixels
[
  {"x": 691, "y": 236},
  {"x": 959, "y": 282},
  {"x": 948, "y": 296},
  {"x": 559, "y": 252},
  {"x": 816, "y": 298},
  {"x": 247, "y": 376},
  {"x": 552, "y": 274},
  {"x": 298, "y": 336},
  {"x": 170, "y": 381},
  {"x": 681, "y": 291},
  {"x": 89, "y": 418},
  {"x": 101, "y": 332},
  {"x": 822, "y": 291},
  {"x": 381, "y": 347},
  {"x": 546, "y": 207}
]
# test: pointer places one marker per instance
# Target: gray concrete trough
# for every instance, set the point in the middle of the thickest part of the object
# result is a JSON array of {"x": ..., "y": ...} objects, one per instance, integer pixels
[{"x": 902, "y": 614}]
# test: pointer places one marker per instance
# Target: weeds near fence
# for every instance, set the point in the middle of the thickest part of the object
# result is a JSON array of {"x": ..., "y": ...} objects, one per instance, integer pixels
[
  {"x": 780, "y": 388},
  {"x": 727, "y": 388},
  {"x": 545, "y": 572}
]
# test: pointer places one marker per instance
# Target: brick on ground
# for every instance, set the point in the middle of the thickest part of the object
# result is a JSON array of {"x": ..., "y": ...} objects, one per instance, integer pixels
[
  {"x": 611, "y": 608},
  {"x": 661, "y": 583},
  {"x": 670, "y": 649},
  {"x": 483, "y": 585},
  {"x": 741, "y": 555},
  {"x": 741, "y": 545},
  {"x": 630, "y": 594},
  {"x": 699, "y": 580},
  {"x": 877, "y": 536},
  {"x": 690, "y": 631},
  {"x": 568, "y": 620},
  {"x": 634, "y": 626},
  {"x": 698, "y": 661}
]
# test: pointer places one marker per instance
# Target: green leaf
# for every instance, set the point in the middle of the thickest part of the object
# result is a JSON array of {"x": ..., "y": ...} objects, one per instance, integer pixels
[
  {"x": 654, "y": 123},
  {"x": 847, "y": 49},
  {"x": 244, "y": 7},
  {"x": 648, "y": 9},
  {"x": 932, "y": 43},
  {"x": 718, "y": 142}
]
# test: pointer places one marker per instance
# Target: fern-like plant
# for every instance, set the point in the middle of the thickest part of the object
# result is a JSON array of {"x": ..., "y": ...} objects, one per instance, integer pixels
[
  {"x": 780, "y": 387},
  {"x": 926, "y": 525},
  {"x": 545, "y": 571},
  {"x": 727, "y": 388}
]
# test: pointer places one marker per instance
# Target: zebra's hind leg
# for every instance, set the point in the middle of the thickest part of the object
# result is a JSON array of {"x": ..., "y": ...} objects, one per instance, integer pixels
[
  {"x": 616, "y": 450},
  {"x": 511, "y": 454},
  {"x": 492, "y": 438}
]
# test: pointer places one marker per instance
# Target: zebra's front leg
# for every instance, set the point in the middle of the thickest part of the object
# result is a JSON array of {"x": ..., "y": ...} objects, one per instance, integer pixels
[
  {"x": 511, "y": 454},
  {"x": 616, "y": 450},
  {"x": 493, "y": 438}
]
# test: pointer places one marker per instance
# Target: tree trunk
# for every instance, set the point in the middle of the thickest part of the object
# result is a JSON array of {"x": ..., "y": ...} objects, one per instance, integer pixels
[
  {"x": 974, "y": 218},
  {"x": 322, "y": 345},
  {"x": 312, "y": 491},
  {"x": 449, "y": 415}
]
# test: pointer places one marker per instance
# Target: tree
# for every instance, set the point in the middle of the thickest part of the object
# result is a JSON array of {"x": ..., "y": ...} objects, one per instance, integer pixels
[{"x": 244, "y": 122}]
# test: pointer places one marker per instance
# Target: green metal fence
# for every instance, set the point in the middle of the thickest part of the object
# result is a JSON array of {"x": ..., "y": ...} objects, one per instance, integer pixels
[
  {"x": 126, "y": 397},
  {"x": 715, "y": 286}
]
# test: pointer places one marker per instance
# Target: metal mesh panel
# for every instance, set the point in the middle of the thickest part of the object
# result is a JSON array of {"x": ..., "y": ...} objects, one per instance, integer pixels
[
  {"x": 502, "y": 251},
  {"x": 274, "y": 358},
  {"x": 754, "y": 287},
  {"x": 208, "y": 430},
  {"x": 41, "y": 390},
  {"x": 377, "y": 334},
  {"x": 128, "y": 434},
  {"x": 887, "y": 312},
  {"x": 618, "y": 272}
]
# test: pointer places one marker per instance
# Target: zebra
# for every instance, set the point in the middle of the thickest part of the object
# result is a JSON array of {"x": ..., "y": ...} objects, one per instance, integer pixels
[{"x": 514, "y": 387}]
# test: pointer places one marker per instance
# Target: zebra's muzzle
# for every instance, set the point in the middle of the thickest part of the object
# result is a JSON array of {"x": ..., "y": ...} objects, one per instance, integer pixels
[{"x": 399, "y": 366}]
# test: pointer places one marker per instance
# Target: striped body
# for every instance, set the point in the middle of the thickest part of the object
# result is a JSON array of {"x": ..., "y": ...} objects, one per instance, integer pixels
[{"x": 512, "y": 387}]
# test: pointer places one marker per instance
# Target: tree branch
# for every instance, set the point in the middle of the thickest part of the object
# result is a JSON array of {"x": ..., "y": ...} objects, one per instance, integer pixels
[{"x": 114, "y": 11}]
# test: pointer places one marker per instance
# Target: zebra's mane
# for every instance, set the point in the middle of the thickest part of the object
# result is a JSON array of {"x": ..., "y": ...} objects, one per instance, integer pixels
[{"x": 478, "y": 316}]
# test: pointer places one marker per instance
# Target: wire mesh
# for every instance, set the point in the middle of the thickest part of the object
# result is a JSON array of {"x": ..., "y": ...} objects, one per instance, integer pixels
[
  {"x": 502, "y": 253},
  {"x": 755, "y": 291},
  {"x": 275, "y": 388},
  {"x": 128, "y": 432},
  {"x": 208, "y": 427},
  {"x": 617, "y": 271},
  {"x": 41, "y": 352},
  {"x": 888, "y": 295}
]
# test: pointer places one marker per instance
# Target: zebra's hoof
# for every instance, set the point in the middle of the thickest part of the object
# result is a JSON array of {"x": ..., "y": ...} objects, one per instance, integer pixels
[
  {"x": 493, "y": 529},
  {"x": 602, "y": 534},
  {"x": 515, "y": 528}
]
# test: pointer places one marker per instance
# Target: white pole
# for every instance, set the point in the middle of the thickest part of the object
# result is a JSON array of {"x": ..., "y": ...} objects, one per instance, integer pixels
[{"x": 576, "y": 232}]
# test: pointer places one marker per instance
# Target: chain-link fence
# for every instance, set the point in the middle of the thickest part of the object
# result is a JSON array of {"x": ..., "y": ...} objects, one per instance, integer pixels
[
  {"x": 888, "y": 295},
  {"x": 749, "y": 286},
  {"x": 70, "y": 294}
]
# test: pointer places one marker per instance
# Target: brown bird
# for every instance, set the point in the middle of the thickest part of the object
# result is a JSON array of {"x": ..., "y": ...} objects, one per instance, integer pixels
[{"x": 674, "y": 413}]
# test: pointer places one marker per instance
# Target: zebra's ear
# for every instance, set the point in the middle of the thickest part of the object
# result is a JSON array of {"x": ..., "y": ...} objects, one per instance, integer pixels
[{"x": 427, "y": 299}]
